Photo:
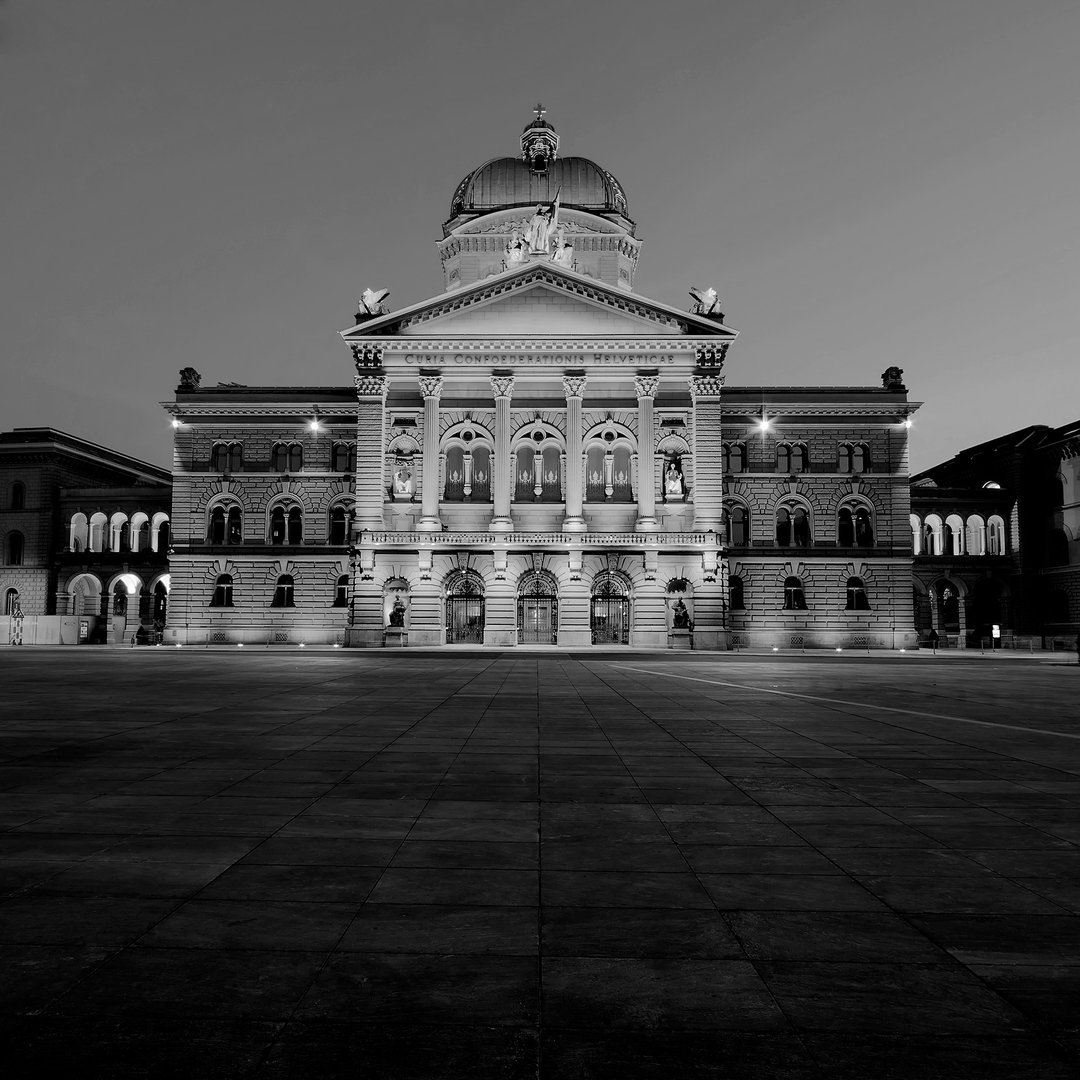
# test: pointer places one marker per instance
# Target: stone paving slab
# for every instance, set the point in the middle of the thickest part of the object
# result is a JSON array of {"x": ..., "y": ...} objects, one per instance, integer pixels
[{"x": 542, "y": 864}]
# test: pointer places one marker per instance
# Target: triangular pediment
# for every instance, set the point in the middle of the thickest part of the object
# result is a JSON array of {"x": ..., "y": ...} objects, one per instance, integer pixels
[{"x": 540, "y": 300}]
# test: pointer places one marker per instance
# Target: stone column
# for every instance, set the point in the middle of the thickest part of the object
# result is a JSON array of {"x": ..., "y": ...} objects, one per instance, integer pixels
[
  {"x": 370, "y": 446},
  {"x": 502, "y": 386},
  {"x": 646, "y": 386},
  {"x": 708, "y": 493},
  {"x": 431, "y": 389},
  {"x": 574, "y": 389}
]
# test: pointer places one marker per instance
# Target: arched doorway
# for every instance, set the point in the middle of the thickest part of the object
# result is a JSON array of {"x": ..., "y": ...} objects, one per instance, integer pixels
[
  {"x": 609, "y": 615},
  {"x": 538, "y": 609},
  {"x": 465, "y": 609}
]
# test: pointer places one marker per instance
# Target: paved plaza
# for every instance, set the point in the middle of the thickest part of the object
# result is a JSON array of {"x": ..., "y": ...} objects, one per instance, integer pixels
[{"x": 321, "y": 864}]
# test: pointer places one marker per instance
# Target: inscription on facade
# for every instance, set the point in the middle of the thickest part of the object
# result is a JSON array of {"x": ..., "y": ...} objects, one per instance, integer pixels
[{"x": 530, "y": 360}]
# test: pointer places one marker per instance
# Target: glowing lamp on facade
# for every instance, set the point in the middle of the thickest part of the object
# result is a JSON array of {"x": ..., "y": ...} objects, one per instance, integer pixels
[{"x": 175, "y": 422}]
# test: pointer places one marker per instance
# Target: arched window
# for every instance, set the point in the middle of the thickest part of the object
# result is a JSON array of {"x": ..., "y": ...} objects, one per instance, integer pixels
[
  {"x": 277, "y": 525},
  {"x": 235, "y": 460},
  {"x": 916, "y": 535},
  {"x": 296, "y": 525},
  {"x": 737, "y": 524},
  {"x": 344, "y": 457},
  {"x": 783, "y": 458},
  {"x": 11, "y": 601},
  {"x": 975, "y": 535},
  {"x": 219, "y": 457},
  {"x": 139, "y": 532},
  {"x": 595, "y": 487},
  {"x": 933, "y": 529},
  {"x": 18, "y": 495},
  {"x": 159, "y": 535},
  {"x": 844, "y": 458},
  {"x": 481, "y": 474},
  {"x": 551, "y": 474},
  {"x": 296, "y": 457},
  {"x": 621, "y": 488},
  {"x": 995, "y": 535},
  {"x": 234, "y": 531},
  {"x": 954, "y": 535},
  {"x": 845, "y": 527},
  {"x": 98, "y": 524},
  {"x": 216, "y": 532},
  {"x": 799, "y": 461},
  {"x": 735, "y": 593},
  {"x": 794, "y": 596},
  {"x": 857, "y": 600},
  {"x": 341, "y": 591},
  {"x": 454, "y": 488},
  {"x": 120, "y": 599},
  {"x": 279, "y": 458},
  {"x": 13, "y": 554},
  {"x": 864, "y": 527},
  {"x": 339, "y": 524},
  {"x": 793, "y": 527},
  {"x": 524, "y": 479},
  {"x": 734, "y": 457},
  {"x": 283, "y": 592},
  {"x": 161, "y": 602},
  {"x": 223, "y": 596},
  {"x": 860, "y": 458},
  {"x": 78, "y": 537},
  {"x": 116, "y": 532}
]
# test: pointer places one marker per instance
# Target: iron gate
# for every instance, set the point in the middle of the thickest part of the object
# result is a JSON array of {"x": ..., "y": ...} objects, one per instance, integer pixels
[
  {"x": 464, "y": 620},
  {"x": 610, "y": 620},
  {"x": 538, "y": 620}
]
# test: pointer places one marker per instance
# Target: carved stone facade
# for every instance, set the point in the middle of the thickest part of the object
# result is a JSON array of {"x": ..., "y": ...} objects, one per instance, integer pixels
[{"x": 539, "y": 456}]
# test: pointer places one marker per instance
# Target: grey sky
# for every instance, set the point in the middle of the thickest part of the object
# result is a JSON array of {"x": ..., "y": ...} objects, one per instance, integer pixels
[{"x": 213, "y": 182}]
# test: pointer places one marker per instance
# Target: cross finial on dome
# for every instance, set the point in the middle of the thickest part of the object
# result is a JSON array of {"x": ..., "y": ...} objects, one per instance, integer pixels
[{"x": 539, "y": 141}]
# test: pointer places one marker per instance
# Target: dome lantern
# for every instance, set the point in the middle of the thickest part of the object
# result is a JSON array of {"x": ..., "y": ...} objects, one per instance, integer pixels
[{"x": 539, "y": 142}]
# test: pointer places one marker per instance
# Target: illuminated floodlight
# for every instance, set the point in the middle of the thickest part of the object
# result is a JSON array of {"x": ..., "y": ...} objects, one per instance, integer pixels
[
  {"x": 239, "y": 644},
  {"x": 839, "y": 650},
  {"x": 776, "y": 648},
  {"x": 314, "y": 425},
  {"x": 175, "y": 422},
  {"x": 302, "y": 644}
]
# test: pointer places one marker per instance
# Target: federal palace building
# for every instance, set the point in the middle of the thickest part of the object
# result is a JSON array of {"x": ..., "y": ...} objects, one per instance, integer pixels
[{"x": 541, "y": 455}]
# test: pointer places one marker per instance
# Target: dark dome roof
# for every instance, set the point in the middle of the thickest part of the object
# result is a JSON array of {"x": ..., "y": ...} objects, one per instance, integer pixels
[{"x": 507, "y": 181}]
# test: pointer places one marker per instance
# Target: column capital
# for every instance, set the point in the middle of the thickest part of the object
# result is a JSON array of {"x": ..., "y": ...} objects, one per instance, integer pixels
[
  {"x": 502, "y": 386},
  {"x": 574, "y": 385},
  {"x": 430, "y": 386},
  {"x": 706, "y": 385},
  {"x": 371, "y": 385},
  {"x": 646, "y": 385}
]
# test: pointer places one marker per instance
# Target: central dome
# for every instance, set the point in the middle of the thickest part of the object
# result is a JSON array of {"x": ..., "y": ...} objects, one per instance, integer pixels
[{"x": 506, "y": 182}]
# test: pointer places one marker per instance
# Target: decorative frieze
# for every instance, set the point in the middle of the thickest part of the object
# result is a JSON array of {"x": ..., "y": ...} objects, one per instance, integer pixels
[{"x": 367, "y": 355}]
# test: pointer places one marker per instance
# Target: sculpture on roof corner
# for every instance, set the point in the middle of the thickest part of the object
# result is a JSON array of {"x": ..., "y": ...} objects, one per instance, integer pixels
[
  {"x": 189, "y": 379},
  {"x": 371, "y": 304},
  {"x": 706, "y": 303},
  {"x": 892, "y": 378}
]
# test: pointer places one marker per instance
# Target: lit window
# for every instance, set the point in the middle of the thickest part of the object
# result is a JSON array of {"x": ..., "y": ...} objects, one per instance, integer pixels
[
  {"x": 735, "y": 593},
  {"x": 794, "y": 596},
  {"x": 857, "y": 600},
  {"x": 283, "y": 592},
  {"x": 223, "y": 591},
  {"x": 11, "y": 601},
  {"x": 341, "y": 591}
]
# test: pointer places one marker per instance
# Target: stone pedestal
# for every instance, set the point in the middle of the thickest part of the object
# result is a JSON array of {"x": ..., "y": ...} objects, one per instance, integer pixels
[
  {"x": 357, "y": 637},
  {"x": 680, "y": 640},
  {"x": 396, "y": 637}
]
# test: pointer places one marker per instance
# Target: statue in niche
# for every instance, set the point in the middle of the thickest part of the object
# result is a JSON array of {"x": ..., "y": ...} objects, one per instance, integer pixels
[
  {"x": 397, "y": 612},
  {"x": 674, "y": 485},
  {"x": 680, "y": 617},
  {"x": 403, "y": 482},
  {"x": 517, "y": 251},
  {"x": 563, "y": 254}
]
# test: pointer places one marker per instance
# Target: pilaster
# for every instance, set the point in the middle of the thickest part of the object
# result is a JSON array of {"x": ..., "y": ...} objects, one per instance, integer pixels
[
  {"x": 502, "y": 388},
  {"x": 708, "y": 491},
  {"x": 371, "y": 393},
  {"x": 646, "y": 386},
  {"x": 574, "y": 389},
  {"x": 430, "y": 390}
]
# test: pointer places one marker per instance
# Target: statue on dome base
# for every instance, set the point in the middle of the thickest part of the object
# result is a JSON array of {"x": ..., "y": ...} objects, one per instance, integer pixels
[
  {"x": 563, "y": 254},
  {"x": 542, "y": 224}
]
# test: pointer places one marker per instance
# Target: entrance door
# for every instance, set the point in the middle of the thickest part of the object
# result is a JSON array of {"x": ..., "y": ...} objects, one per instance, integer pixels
[
  {"x": 610, "y": 620},
  {"x": 538, "y": 620},
  {"x": 464, "y": 620}
]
